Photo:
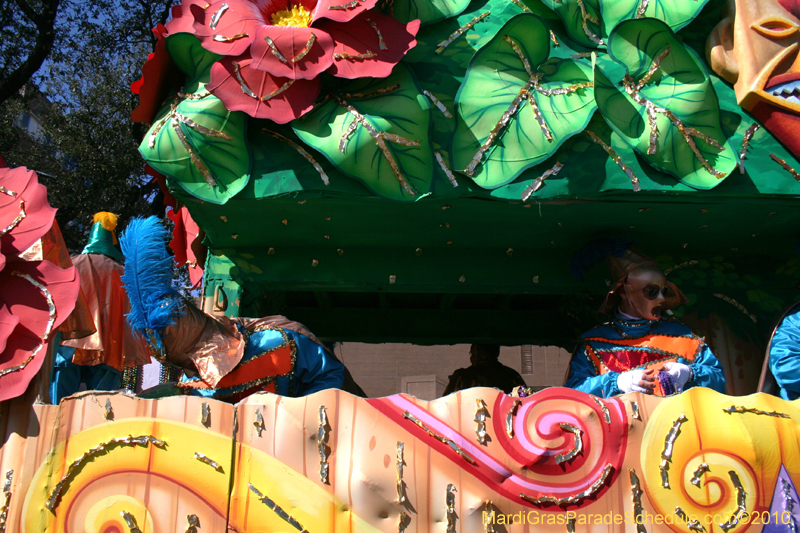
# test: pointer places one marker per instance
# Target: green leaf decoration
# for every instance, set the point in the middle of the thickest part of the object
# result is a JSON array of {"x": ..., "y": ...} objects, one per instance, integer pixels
[
  {"x": 499, "y": 89},
  {"x": 427, "y": 11},
  {"x": 661, "y": 73},
  {"x": 388, "y": 148},
  {"x": 202, "y": 146},
  {"x": 582, "y": 19},
  {"x": 194, "y": 60},
  {"x": 676, "y": 13}
]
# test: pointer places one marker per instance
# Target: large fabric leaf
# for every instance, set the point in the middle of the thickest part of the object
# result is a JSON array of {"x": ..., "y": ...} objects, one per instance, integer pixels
[
  {"x": 427, "y": 11},
  {"x": 494, "y": 80},
  {"x": 582, "y": 20},
  {"x": 404, "y": 112},
  {"x": 679, "y": 87},
  {"x": 194, "y": 60},
  {"x": 676, "y": 13},
  {"x": 210, "y": 157}
]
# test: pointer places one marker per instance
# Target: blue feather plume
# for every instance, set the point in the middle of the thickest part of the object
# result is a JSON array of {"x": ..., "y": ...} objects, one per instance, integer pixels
[
  {"x": 148, "y": 275},
  {"x": 596, "y": 251}
]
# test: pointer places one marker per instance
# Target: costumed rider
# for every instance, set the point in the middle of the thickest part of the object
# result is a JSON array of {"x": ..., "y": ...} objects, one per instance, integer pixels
[
  {"x": 98, "y": 359},
  {"x": 637, "y": 351},
  {"x": 222, "y": 358},
  {"x": 784, "y": 354}
]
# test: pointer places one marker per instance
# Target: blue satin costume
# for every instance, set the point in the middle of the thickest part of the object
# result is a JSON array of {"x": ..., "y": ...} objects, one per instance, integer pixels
[
  {"x": 784, "y": 355},
  {"x": 584, "y": 377}
]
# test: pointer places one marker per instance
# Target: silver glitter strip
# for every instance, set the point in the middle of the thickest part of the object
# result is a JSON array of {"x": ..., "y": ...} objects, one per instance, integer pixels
[
  {"x": 450, "y": 498},
  {"x": 447, "y": 171},
  {"x": 277, "y": 509},
  {"x": 277, "y": 53},
  {"x": 401, "y": 486},
  {"x": 202, "y": 129},
  {"x": 741, "y": 504},
  {"x": 17, "y": 220},
  {"x": 460, "y": 31},
  {"x": 537, "y": 184},
  {"x": 439, "y": 105},
  {"x": 666, "y": 454},
  {"x": 277, "y": 91},
  {"x": 205, "y": 414},
  {"x": 598, "y": 483},
  {"x": 636, "y": 498},
  {"x": 259, "y": 423},
  {"x": 242, "y": 84},
  {"x": 196, "y": 161},
  {"x": 217, "y": 15},
  {"x": 480, "y": 418},
  {"x": 701, "y": 469},
  {"x": 7, "y": 192},
  {"x": 510, "y": 418},
  {"x": 311, "y": 40},
  {"x": 322, "y": 438},
  {"x": 130, "y": 521},
  {"x": 381, "y": 42},
  {"x": 223, "y": 39},
  {"x": 577, "y": 446},
  {"x": 210, "y": 462},
  {"x": 302, "y": 152},
  {"x": 693, "y": 525},
  {"x": 6, "y": 501}
]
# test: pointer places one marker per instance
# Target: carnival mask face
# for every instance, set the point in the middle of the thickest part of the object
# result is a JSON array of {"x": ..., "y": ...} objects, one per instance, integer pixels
[
  {"x": 644, "y": 293},
  {"x": 755, "y": 47}
]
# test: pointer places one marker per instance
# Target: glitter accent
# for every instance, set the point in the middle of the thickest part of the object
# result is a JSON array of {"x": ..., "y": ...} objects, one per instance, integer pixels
[
  {"x": 742, "y": 410},
  {"x": 447, "y": 171},
  {"x": 142, "y": 440},
  {"x": 604, "y": 407},
  {"x": 577, "y": 446},
  {"x": 322, "y": 438},
  {"x": 585, "y": 19},
  {"x": 381, "y": 42},
  {"x": 488, "y": 525},
  {"x": 745, "y": 143},
  {"x": 259, "y": 423},
  {"x": 202, "y": 129},
  {"x": 303, "y": 152},
  {"x": 741, "y": 504},
  {"x": 277, "y": 91},
  {"x": 480, "y": 417},
  {"x": 194, "y": 523},
  {"x": 6, "y": 500},
  {"x": 635, "y": 410},
  {"x": 223, "y": 39},
  {"x": 788, "y": 505},
  {"x": 666, "y": 454},
  {"x": 510, "y": 418},
  {"x": 17, "y": 220},
  {"x": 451, "y": 508},
  {"x": 617, "y": 159},
  {"x": 581, "y": 55},
  {"x": 553, "y": 38},
  {"x": 242, "y": 84},
  {"x": 571, "y": 525},
  {"x": 636, "y": 499},
  {"x": 685, "y": 264},
  {"x": 702, "y": 469},
  {"x": 737, "y": 305},
  {"x": 277, "y": 509},
  {"x": 7, "y": 192},
  {"x": 343, "y": 7},
  {"x": 403, "y": 521},
  {"x": 369, "y": 54},
  {"x": 455, "y": 447},
  {"x": 460, "y": 31},
  {"x": 401, "y": 486},
  {"x": 642, "y": 9},
  {"x": 346, "y": 135},
  {"x": 525, "y": 8},
  {"x": 525, "y": 63},
  {"x": 196, "y": 161},
  {"x": 210, "y": 462},
  {"x": 311, "y": 40},
  {"x": 217, "y": 15},
  {"x": 277, "y": 53},
  {"x": 693, "y": 525},
  {"x": 184, "y": 96},
  {"x": 537, "y": 184},
  {"x": 385, "y": 90},
  {"x": 205, "y": 414},
  {"x": 109, "y": 412},
  {"x": 439, "y": 105},
  {"x": 598, "y": 483},
  {"x": 130, "y": 521},
  {"x": 380, "y": 139},
  {"x": 786, "y": 166}
]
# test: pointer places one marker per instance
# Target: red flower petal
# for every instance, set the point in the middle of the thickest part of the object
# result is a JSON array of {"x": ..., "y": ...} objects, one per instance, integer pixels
[
  {"x": 358, "y": 38},
  {"x": 184, "y": 17},
  {"x": 20, "y": 298},
  {"x": 169, "y": 199},
  {"x": 340, "y": 10},
  {"x": 184, "y": 233},
  {"x": 7, "y": 324},
  {"x": 160, "y": 79},
  {"x": 295, "y": 99},
  {"x": 235, "y": 29},
  {"x": 38, "y": 217},
  {"x": 290, "y": 42}
]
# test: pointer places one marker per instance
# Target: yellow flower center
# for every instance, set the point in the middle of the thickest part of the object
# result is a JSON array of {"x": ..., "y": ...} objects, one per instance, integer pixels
[{"x": 297, "y": 16}]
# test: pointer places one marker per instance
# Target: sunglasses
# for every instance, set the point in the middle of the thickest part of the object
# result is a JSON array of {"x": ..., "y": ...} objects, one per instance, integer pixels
[{"x": 651, "y": 292}]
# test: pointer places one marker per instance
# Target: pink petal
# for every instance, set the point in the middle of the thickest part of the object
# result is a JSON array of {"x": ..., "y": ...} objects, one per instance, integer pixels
[
  {"x": 238, "y": 22},
  {"x": 358, "y": 37},
  {"x": 296, "y": 100},
  {"x": 184, "y": 234},
  {"x": 340, "y": 10},
  {"x": 184, "y": 17},
  {"x": 8, "y": 323},
  {"x": 290, "y": 41},
  {"x": 38, "y": 217}
]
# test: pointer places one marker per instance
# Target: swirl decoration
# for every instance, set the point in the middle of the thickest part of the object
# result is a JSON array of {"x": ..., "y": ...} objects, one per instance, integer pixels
[{"x": 719, "y": 473}]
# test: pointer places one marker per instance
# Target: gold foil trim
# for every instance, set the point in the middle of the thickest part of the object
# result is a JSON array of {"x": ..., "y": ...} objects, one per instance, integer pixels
[
  {"x": 304, "y": 52},
  {"x": 666, "y": 453},
  {"x": 525, "y": 8},
  {"x": 278, "y": 91},
  {"x": 343, "y": 7},
  {"x": 322, "y": 439},
  {"x": 451, "y": 508},
  {"x": 242, "y": 84},
  {"x": 302, "y": 152},
  {"x": 525, "y": 63},
  {"x": 447, "y": 171},
  {"x": 642, "y": 9},
  {"x": 194, "y": 523},
  {"x": 346, "y": 135},
  {"x": 635, "y": 411},
  {"x": 786, "y": 166},
  {"x": 274, "y": 49},
  {"x": 223, "y": 39},
  {"x": 9, "y": 479},
  {"x": 403, "y": 521},
  {"x": 553, "y": 38},
  {"x": 693, "y": 525},
  {"x": 577, "y": 446},
  {"x": 205, "y": 414},
  {"x": 594, "y": 487},
  {"x": 488, "y": 524},
  {"x": 401, "y": 486},
  {"x": 196, "y": 161},
  {"x": 742, "y": 409},
  {"x": 741, "y": 504},
  {"x": 604, "y": 407},
  {"x": 207, "y": 460},
  {"x": 369, "y": 54},
  {"x": 6, "y": 500},
  {"x": 537, "y": 184},
  {"x": 455, "y": 447},
  {"x": 571, "y": 525},
  {"x": 617, "y": 159},
  {"x": 7, "y": 192},
  {"x": 259, "y": 423},
  {"x": 581, "y": 55},
  {"x": 685, "y": 264},
  {"x": 510, "y": 418},
  {"x": 130, "y": 521},
  {"x": 142, "y": 440},
  {"x": 381, "y": 42},
  {"x": 17, "y": 220},
  {"x": 109, "y": 411},
  {"x": 636, "y": 499},
  {"x": 208, "y": 132},
  {"x": 745, "y": 143},
  {"x": 217, "y": 15},
  {"x": 384, "y": 90},
  {"x": 460, "y": 31},
  {"x": 788, "y": 503},
  {"x": 480, "y": 418},
  {"x": 701, "y": 469},
  {"x": 737, "y": 305},
  {"x": 439, "y": 105},
  {"x": 277, "y": 509},
  {"x": 585, "y": 19}
]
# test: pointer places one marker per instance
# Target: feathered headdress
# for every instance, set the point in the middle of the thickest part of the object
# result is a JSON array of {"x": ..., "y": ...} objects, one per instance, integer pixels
[{"x": 148, "y": 280}]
